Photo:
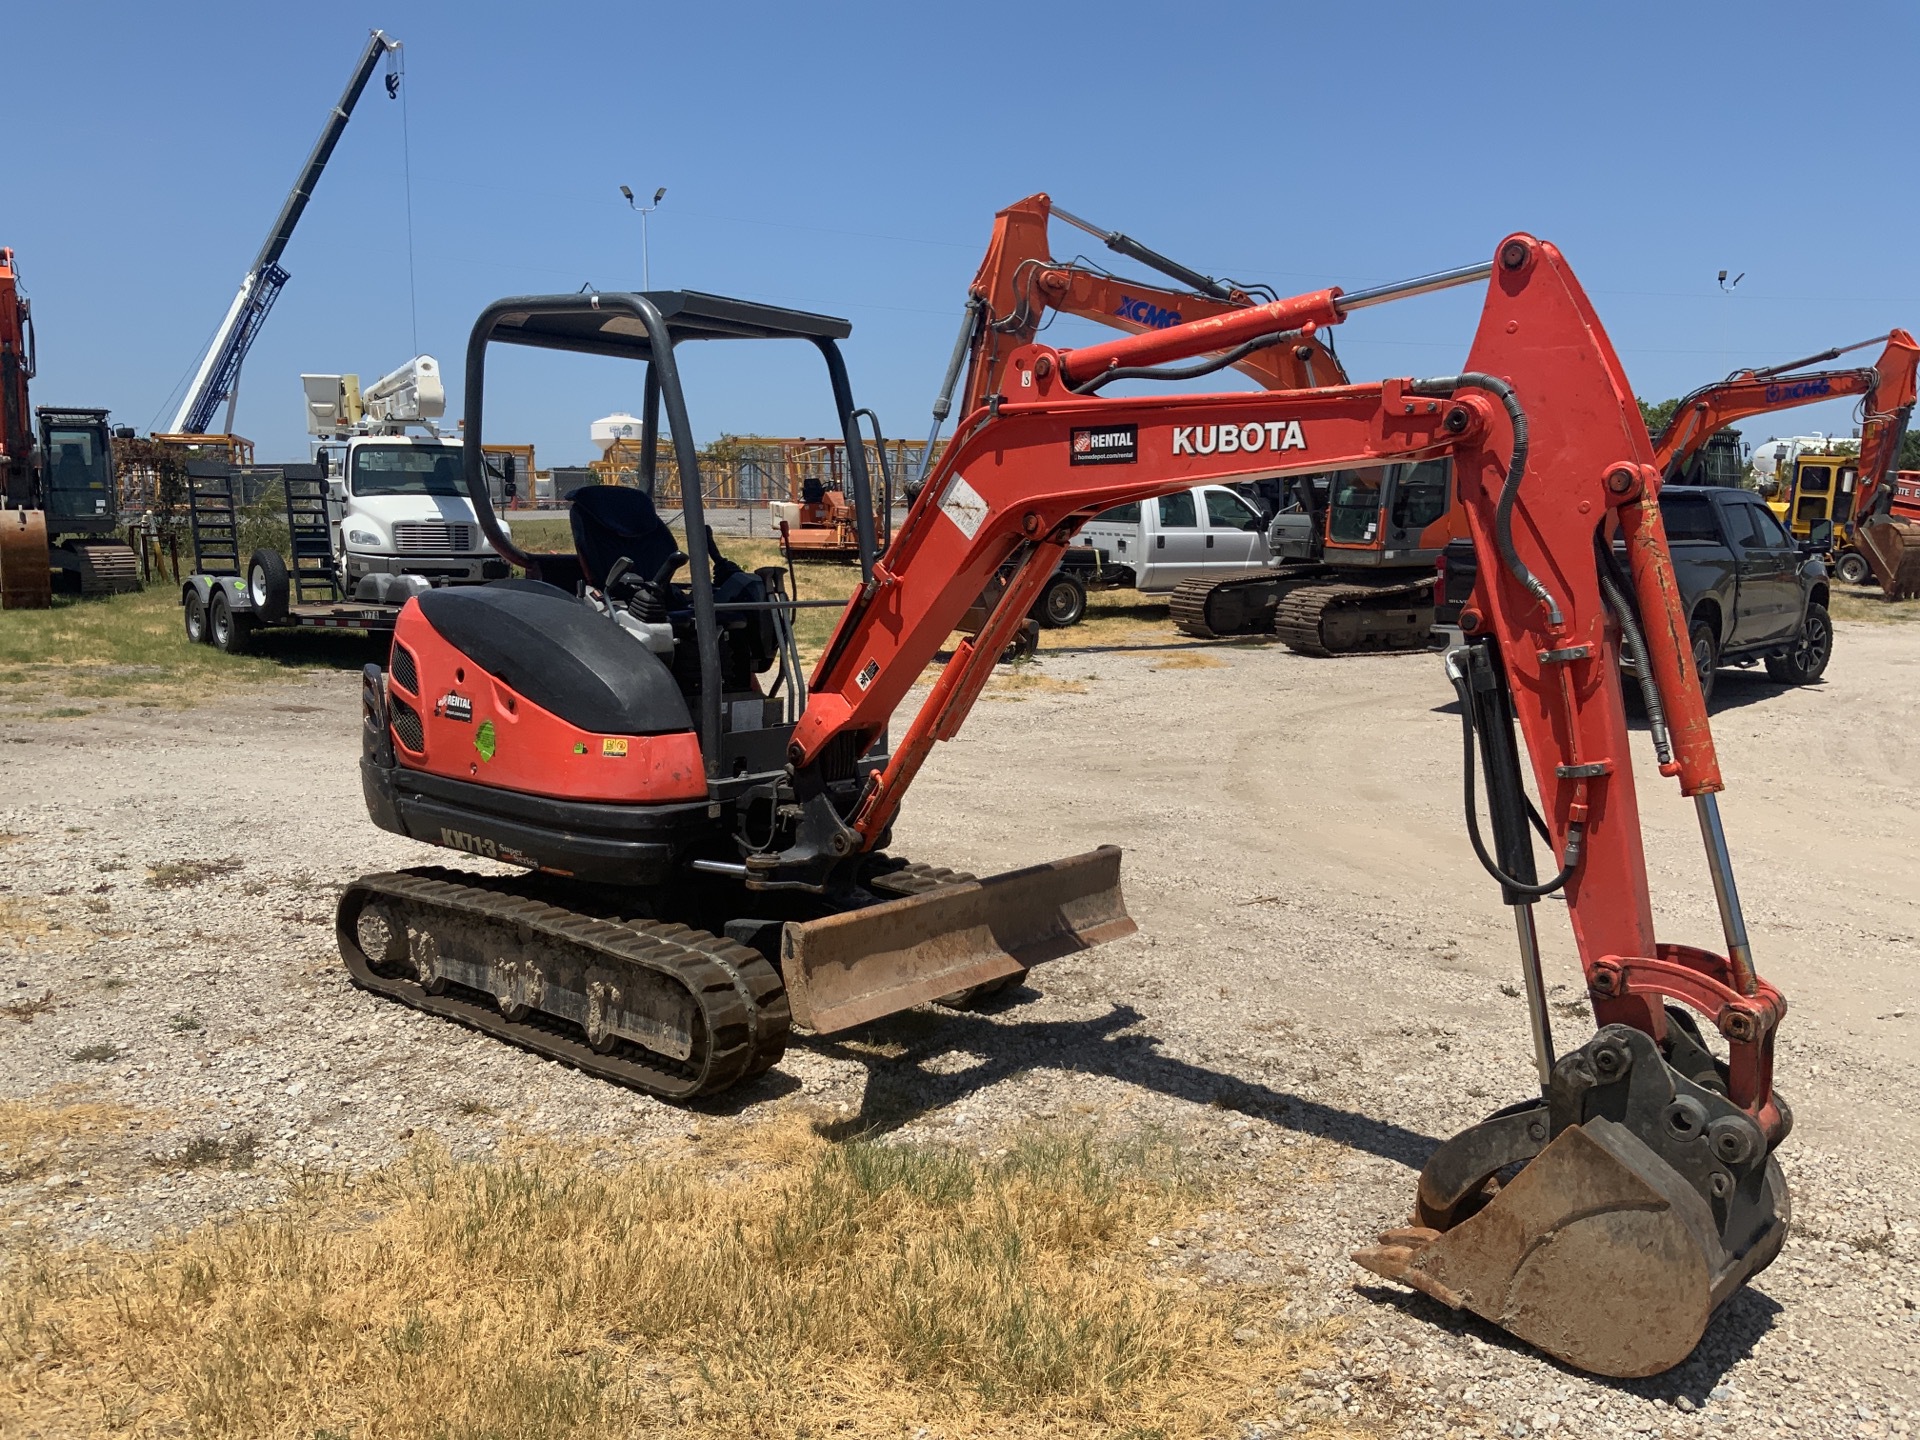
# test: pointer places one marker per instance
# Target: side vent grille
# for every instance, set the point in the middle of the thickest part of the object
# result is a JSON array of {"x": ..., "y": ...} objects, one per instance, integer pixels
[
  {"x": 404, "y": 674},
  {"x": 407, "y": 727}
]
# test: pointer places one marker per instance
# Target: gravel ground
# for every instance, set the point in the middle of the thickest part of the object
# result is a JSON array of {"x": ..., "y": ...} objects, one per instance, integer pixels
[{"x": 1323, "y": 987}]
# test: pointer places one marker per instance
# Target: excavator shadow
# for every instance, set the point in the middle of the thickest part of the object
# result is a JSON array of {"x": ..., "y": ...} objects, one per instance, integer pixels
[
  {"x": 1732, "y": 1335},
  {"x": 900, "y": 1054}
]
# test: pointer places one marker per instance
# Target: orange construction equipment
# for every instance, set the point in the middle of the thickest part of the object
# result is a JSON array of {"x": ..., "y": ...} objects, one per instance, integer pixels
[
  {"x": 709, "y": 845},
  {"x": 26, "y": 578},
  {"x": 1870, "y": 520},
  {"x": 1354, "y": 548}
]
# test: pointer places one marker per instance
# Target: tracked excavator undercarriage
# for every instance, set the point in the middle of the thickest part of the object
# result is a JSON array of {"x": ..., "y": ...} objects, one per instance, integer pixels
[
  {"x": 1313, "y": 609},
  {"x": 703, "y": 830}
]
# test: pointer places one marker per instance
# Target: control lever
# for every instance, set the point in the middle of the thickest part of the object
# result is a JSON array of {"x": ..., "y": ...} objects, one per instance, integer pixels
[{"x": 649, "y": 602}]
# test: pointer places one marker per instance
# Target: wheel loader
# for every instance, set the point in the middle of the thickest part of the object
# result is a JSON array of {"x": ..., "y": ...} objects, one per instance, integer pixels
[{"x": 700, "y": 831}]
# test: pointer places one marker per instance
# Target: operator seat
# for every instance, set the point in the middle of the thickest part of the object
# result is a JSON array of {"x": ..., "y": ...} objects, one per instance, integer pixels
[{"x": 614, "y": 522}]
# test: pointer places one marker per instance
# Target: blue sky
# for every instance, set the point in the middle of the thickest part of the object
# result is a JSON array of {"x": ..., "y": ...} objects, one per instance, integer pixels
[{"x": 850, "y": 158}]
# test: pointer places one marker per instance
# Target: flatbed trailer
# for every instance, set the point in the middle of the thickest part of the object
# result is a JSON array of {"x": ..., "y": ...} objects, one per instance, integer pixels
[{"x": 224, "y": 605}]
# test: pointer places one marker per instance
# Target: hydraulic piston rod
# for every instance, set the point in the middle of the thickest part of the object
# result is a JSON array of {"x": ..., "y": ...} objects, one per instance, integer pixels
[
  {"x": 1720, "y": 864},
  {"x": 1222, "y": 332}
]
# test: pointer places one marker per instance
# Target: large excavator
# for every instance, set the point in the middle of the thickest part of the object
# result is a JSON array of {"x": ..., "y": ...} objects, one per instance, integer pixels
[
  {"x": 1357, "y": 547},
  {"x": 707, "y": 847},
  {"x": 1860, "y": 499}
]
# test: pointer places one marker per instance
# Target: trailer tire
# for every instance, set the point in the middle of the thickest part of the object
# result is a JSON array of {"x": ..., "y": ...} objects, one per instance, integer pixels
[
  {"x": 1062, "y": 603},
  {"x": 267, "y": 585},
  {"x": 194, "y": 610},
  {"x": 1852, "y": 569},
  {"x": 228, "y": 629}
]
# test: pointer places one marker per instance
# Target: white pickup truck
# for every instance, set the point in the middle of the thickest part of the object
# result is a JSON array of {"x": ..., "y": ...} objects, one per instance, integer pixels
[{"x": 1195, "y": 534}]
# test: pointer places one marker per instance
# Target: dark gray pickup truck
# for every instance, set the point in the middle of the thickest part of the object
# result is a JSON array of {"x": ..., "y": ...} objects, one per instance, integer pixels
[{"x": 1753, "y": 593}]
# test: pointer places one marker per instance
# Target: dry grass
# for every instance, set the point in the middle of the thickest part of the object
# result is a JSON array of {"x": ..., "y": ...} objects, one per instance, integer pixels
[
  {"x": 1870, "y": 605},
  {"x": 777, "y": 1286},
  {"x": 33, "y": 1133},
  {"x": 1017, "y": 682},
  {"x": 1189, "y": 660},
  {"x": 131, "y": 650},
  {"x": 180, "y": 874}
]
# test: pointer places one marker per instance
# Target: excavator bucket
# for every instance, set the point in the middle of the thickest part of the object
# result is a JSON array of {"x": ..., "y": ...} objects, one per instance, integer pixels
[
  {"x": 26, "y": 577},
  {"x": 850, "y": 968},
  {"x": 1892, "y": 548},
  {"x": 1614, "y": 1244}
]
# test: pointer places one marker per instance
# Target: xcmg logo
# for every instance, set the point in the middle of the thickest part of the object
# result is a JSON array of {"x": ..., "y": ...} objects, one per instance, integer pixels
[
  {"x": 1799, "y": 390},
  {"x": 1145, "y": 312}
]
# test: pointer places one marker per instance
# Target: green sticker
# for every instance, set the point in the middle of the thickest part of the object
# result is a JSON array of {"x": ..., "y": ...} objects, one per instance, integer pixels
[
  {"x": 483, "y": 740},
  {"x": 579, "y": 747}
]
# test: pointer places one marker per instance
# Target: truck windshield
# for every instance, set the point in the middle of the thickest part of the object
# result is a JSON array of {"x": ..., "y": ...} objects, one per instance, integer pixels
[{"x": 407, "y": 470}]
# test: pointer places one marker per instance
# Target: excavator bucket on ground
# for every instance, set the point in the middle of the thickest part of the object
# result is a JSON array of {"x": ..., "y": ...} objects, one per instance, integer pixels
[
  {"x": 1892, "y": 548},
  {"x": 26, "y": 577},
  {"x": 1610, "y": 1249},
  {"x": 847, "y": 969}
]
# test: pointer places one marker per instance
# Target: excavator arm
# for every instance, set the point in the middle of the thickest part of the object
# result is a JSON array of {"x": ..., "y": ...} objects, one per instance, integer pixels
[
  {"x": 1645, "y": 1161},
  {"x": 1747, "y": 393},
  {"x": 1018, "y": 283},
  {"x": 1892, "y": 546}
]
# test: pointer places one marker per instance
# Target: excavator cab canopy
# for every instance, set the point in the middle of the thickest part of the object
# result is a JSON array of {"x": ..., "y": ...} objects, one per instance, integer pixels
[
  {"x": 606, "y": 324},
  {"x": 648, "y": 327}
]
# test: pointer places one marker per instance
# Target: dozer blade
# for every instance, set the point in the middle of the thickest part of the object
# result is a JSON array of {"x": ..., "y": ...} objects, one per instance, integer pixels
[
  {"x": 1892, "y": 548},
  {"x": 1603, "y": 1251},
  {"x": 847, "y": 969}
]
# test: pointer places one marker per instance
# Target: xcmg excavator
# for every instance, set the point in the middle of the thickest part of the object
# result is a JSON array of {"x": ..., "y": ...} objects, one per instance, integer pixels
[
  {"x": 1856, "y": 493},
  {"x": 708, "y": 848}
]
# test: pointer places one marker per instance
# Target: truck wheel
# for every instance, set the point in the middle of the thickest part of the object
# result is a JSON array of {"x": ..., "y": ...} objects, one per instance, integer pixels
[
  {"x": 1806, "y": 661},
  {"x": 1706, "y": 656},
  {"x": 195, "y": 610},
  {"x": 1062, "y": 603},
  {"x": 229, "y": 631},
  {"x": 267, "y": 585},
  {"x": 1852, "y": 568}
]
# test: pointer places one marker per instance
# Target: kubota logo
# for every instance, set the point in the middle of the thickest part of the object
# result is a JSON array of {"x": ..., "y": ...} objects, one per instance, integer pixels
[
  {"x": 1226, "y": 439},
  {"x": 1145, "y": 312},
  {"x": 1799, "y": 390}
]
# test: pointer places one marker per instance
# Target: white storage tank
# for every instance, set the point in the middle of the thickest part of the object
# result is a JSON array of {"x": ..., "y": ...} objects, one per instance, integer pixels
[{"x": 609, "y": 428}]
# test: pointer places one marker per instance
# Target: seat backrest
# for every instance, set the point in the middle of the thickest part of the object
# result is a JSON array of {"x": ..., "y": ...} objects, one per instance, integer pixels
[{"x": 610, "y": 522}]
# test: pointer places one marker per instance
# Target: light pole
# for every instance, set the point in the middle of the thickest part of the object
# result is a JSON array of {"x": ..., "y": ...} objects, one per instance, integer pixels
[{"x": 646, "y": 267}]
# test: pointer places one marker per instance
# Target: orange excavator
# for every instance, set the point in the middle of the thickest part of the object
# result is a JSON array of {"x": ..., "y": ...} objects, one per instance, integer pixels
[
  {"x": 705, "y": 828},
  {"x": 26, "y": 581},
  {"x": 1867, "y": 521},
  {"x": 1355, "y": 548}
]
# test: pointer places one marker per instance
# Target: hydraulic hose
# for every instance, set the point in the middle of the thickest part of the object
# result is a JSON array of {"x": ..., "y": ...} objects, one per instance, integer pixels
[
  {"x": 1643, "y": 672},
  {"x": 1516, "y": 471},
  {"x": 1187, "y": 372},
  {"x": 1575, "y": 833}
]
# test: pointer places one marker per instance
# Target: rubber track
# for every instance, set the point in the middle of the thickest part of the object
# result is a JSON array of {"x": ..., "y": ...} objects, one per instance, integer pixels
[
  {"x": 1302, "y": 614},
  {"x": 739, "y": 997}
]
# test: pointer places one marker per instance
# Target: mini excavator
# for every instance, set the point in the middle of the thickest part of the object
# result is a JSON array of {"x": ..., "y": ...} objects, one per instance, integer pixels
[{"x": 706, "y": 830}]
